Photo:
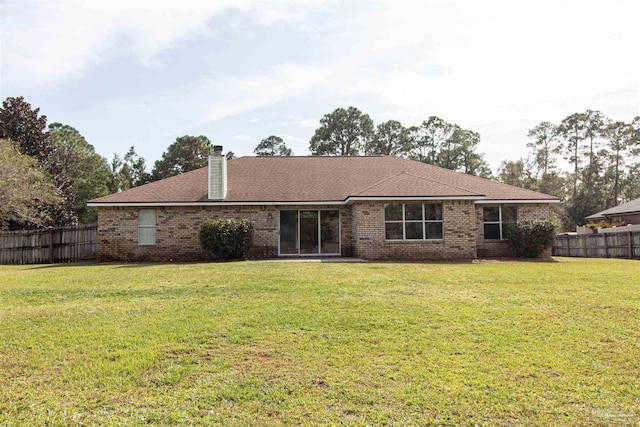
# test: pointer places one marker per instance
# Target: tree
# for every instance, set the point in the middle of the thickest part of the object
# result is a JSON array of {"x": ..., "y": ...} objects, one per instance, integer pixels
[
  {"x": 545, "y": 146},
  {"x": 631, "y": 185},
  {"x": 128, "y": 172},
  {"x": 390, "y": 138},
  {"x": 187, "y": 153},
  {"x": 449, "y": 152},
  {"x": 582, "y": 205},
  {"x": 427, "y": 139},
  {"x": 595, "y": 127},
  {"x": 619, "y": 135},
  {"x": 595, "y": 124},
  {"x": 21, "y": 124},
  {"x": 447, "y": 145},
  {"x": 24, "y": 126},
  {"x": 553, "y": 183},
  {"x": 272, "y": 146},
  {"x": 81, "y": 173},
  {"x": 26, "y": 190},
  {"x": 470, "y": 161},
  {"x": 458, "y": 152},
  {"x": 572, "y": 130},
  {"x": 342, "y": 133},
  {"x": 230, "y": 155},
  {"x": 517, "y": 173}
]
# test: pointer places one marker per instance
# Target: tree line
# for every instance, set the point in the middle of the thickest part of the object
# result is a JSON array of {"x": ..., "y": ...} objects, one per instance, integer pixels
[
  {"x": 48, "y": 173},
  {"x": 349, "y": 132},
  {"x": 588, "y": 160}
]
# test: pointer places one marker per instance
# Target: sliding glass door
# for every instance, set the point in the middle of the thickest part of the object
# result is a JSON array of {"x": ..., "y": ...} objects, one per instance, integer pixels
[
  {"x": 288, "y": 232},
  {"x": 310, "y": 232},
  {"x": 309, "y": 238}
]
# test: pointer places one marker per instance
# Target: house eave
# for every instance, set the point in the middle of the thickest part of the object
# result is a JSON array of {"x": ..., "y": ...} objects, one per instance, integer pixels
[
  {"x": 610, "y": 215},
  {"x": 515, "y": 201},
  {"x": 407, "y": 198},
  {"x": 348, "y": 200},
  {"x": 214, "y": 203}
]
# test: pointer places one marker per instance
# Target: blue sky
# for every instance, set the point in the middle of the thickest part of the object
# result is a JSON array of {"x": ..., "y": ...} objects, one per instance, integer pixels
[{"x": 141, "y": 73}]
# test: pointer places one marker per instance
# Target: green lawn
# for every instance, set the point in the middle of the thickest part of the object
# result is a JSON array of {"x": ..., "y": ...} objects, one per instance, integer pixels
[{"x": 297, "y": 343}]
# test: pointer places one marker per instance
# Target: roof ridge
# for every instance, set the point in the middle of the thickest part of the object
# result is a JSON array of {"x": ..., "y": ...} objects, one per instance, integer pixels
[
  {"x": 443, "y": 183},
  {"x": 422, "y": 178},
  {"x": 378, "y": 183},
  {"x": 311, "y": 156}
]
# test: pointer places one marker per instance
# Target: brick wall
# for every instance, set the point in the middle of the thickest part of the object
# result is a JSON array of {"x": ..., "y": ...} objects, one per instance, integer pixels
[
  {"x": 458, "y": 242},
  {"x": 362, "y": 232},
  {"x": 178, "y": 227},
  {"x": 502, "y": 248}
]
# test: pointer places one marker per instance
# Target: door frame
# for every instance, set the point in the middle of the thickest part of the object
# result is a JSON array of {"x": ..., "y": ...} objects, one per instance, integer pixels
[{"x": 319, "y": 231}]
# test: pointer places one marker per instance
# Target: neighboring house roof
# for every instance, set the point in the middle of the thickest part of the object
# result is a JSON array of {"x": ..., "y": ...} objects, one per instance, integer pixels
[
  {"x": 626, "y": 208},
  {"x": 322, "y": 179}
]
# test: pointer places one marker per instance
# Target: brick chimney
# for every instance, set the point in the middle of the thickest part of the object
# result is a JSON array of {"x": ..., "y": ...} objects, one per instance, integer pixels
[{"x": 217, "y": 174}]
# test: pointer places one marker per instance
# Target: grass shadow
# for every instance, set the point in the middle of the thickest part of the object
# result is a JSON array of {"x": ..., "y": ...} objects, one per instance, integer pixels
[{"x": 88, "y": 263}]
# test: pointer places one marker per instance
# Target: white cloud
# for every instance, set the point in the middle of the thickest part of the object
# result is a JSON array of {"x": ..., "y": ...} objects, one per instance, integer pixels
[
  {"x": 495, "y": 66},
  {"x": 59, "y": 39},
  {"x": 500, "y": 67},
  {"x": 294, "y": 139},
  {"x": 232, "y": 95},
  {"x": 483, "y": 58}
]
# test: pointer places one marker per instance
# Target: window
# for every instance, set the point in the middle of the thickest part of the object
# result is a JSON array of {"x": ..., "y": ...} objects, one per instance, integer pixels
[
  {"x": 495, "y": 218},
  {"x": 147, "y": 227},
  {"x": 413, "y": 221}
]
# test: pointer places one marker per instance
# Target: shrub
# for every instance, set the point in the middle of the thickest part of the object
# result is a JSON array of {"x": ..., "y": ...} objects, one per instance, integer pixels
[
  {"x": 531, "y": 238},
  {"x": 227, "y": 238}
]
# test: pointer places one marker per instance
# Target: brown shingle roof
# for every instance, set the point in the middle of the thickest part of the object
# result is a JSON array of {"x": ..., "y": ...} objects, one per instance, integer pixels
[
  {"x": 317, "y": 179},
  {"x": 632, "y": 206}
]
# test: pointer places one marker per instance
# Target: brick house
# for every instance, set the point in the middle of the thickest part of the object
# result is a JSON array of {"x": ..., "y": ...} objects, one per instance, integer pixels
[{"x": 373, "y": 207}]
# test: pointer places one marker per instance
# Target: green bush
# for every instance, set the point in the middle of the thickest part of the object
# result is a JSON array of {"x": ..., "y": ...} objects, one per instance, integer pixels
[
  {"x": 531, "y": 238},
  {"x": 227, "y": 238}
]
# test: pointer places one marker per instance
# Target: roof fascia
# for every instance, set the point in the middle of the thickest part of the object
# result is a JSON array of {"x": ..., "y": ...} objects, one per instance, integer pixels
[
  {"x": 623, "y": 213},
  {"x": 348, "y": 200},
  {"x": 172, "y": 204},
  {"x": 405, "y": 198},
  {"x": 516, "y": 201}
]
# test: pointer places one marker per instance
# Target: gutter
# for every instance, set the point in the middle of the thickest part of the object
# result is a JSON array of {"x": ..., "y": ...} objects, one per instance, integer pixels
[{"x": 347, "y": 201}]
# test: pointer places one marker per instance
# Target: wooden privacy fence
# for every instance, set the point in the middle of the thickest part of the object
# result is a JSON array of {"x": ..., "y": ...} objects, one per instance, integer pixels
[
  {"x": 624, "y": 244},
  {"x": 65, "y": 244}
]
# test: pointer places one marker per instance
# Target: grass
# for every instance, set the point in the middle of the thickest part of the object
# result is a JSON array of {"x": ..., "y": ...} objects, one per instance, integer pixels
[{"x": 290, "y": 343}]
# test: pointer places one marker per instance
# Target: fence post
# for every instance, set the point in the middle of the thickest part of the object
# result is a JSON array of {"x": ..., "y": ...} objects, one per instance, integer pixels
[
  {"x": 50, "y": 245},
  {"x": 606, "y": 245},
  {"x": 630, "y": 245}
]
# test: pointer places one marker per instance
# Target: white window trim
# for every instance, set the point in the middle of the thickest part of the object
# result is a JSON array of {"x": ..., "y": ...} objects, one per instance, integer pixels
[
  {"x": 147, "y": 227},
  {"x": 499, "y": 222},
  {"x": 405, "y": 221}
]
